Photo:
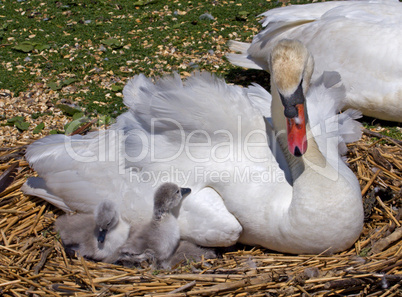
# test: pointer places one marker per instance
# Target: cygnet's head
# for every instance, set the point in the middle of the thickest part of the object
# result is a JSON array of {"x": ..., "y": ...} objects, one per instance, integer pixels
[
  {"x": 106, "y": 218},
  {"x": 291, "y": 67},
  {"x": 168, "y": 196}
]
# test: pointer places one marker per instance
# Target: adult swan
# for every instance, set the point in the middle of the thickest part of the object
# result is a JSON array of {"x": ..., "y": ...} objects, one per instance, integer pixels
[
  {"x": 361, "y": 40},
  {"x": 212, "y": 137}
]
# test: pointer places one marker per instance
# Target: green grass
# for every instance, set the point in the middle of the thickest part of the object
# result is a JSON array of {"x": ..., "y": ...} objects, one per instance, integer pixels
[
  {"x": 87, "y": 43},
  {"x": 391, "y": 129}
]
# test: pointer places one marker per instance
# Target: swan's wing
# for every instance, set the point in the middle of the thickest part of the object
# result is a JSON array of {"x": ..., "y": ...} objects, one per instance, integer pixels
[
  {"x": 242, "y": 58},
  {"x": 77, "y": 172},
  {"x": 203, "y": 101},
  {"x": 324, "y": 102},
  {"x": 277, "y": 21},
  {"x": 194, "y": 125},
  {"x": 260, "y": 99},
  {"x": 283, "y": 18},
  {"x": 302, "y": 22},
  {"x": 199, "y": 110},
  {"x": 196, "y": 219},
  {"x": 36, "y": 186}
]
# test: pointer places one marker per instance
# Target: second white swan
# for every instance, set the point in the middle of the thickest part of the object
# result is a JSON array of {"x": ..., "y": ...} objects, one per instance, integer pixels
[{"x": 361, "y": 40}]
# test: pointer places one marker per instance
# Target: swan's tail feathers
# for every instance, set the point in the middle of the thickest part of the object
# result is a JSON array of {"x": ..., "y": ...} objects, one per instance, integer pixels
[
  {"x": 241, "y": 59},
  {"x": 238, "y": 46},
  {"x": 36, "y": 186}
]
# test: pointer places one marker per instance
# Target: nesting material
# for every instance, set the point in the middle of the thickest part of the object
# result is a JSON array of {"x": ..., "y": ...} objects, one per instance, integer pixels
[{"x": 33, "y": 260}]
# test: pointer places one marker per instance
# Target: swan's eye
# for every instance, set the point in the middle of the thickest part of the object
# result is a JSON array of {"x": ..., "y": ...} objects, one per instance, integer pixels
[{"x": 178, "y": 191}]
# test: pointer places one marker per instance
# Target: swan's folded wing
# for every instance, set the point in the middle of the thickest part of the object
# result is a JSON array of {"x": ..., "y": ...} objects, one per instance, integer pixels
[
  {"x": 171, "y": 114},
  {"x": 260, "y": 98},
  {"x": 276, "y": 22},
  {"x": 289, "y": 15},
  {"x": 75, "y": 171},
  {"x": 36, "y": 186},
  {"x": 324, "y": 103},
  {"x": 204, "y": 219}
]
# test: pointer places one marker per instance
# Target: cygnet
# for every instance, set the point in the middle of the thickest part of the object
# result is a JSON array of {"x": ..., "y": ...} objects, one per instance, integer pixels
[
  {"x": 158, "y": 240},
  {"x": 96, "y": 236},
  {"x": 188, "y": 252}
]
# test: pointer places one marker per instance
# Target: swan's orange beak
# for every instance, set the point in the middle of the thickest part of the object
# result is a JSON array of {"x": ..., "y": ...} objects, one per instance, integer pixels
[
  {"x": 296, "y": 129},
  {"x": 295, "y": 121}
]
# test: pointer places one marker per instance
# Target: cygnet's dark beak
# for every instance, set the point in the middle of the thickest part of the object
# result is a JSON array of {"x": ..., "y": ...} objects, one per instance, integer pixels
[
  {"x": 102, "y": 235},
  {"x": 185, "y": 191}
]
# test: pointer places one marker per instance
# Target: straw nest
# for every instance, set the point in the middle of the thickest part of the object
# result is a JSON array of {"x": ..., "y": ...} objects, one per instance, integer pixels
[{"x": 33, "y": 261}]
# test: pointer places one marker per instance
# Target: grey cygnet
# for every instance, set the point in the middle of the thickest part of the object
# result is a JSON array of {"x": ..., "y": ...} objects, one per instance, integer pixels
[
  {"x": 158, "y": 240},
  {"x": 188, "y": 252},
  {"x": 96, "y": 236}
]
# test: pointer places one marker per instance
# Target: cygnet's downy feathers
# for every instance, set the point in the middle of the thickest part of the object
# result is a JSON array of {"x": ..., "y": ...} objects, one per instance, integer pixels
[
  {"x": 96, "y": 236},
  {"x": 158, "y": 240}
]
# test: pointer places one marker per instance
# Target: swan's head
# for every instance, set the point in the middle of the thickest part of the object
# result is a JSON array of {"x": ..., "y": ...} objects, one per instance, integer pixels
[
  {"x": 291, "y": 69},
  {"x": 168, "y": 196},
  {"x": 106, "y": 218}
]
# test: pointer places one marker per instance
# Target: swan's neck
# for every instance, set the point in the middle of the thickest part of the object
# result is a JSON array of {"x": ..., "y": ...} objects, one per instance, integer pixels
[
  {"x": 296, "y": 164},
  {"x": 324, "y": 209},
  {"x": 312, "y": 159}
]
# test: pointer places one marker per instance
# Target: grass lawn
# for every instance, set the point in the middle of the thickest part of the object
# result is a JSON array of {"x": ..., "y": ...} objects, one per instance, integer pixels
[{"x": 85, "y": 50}]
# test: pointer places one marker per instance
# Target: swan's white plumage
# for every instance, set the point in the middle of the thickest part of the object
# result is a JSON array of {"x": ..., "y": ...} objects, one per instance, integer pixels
[
  {"x": 359, "y": 39},
  {"x": 224, "y": 133}
]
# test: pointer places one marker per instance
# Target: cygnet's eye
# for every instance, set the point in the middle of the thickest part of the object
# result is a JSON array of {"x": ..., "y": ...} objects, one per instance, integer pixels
[{"x": 178, "y": 191}]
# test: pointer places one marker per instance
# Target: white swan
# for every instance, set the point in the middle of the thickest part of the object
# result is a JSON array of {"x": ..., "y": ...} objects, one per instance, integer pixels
[
  {"x": 212, "y": 137},
  {"x": 361, "y": 40}
]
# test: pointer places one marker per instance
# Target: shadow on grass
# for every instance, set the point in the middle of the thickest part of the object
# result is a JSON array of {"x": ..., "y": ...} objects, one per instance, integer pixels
[
  {"x": 376, "y": 122},
  {"x": 246, "y": 77}
]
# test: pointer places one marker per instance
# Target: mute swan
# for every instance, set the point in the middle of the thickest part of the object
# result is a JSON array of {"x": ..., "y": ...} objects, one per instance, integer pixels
[
  {"x": 212, "y": 137},
  {"x": 361, "y": 40},
  {"x": 161, "y": 236},
  {"x": 96, "y": 236}
]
